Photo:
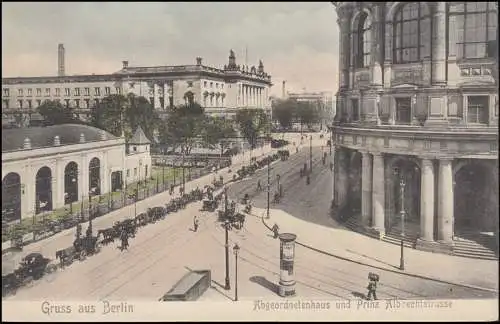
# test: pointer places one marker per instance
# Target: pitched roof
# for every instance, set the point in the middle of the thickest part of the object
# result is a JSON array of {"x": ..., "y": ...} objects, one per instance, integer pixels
[
  {"x": 139, "y": 137},
  {"x": 40, "y": 137}
]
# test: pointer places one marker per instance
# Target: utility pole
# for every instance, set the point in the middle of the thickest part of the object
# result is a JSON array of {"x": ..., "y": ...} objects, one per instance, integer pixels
[
  {"x": 226, "y": 246},
  {"x": 310, "y": 154},
  {"x": 268, "y": 186}
]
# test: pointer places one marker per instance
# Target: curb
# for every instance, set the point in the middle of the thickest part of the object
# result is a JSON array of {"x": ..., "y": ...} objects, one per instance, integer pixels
[{"x": 388, "y": 269}]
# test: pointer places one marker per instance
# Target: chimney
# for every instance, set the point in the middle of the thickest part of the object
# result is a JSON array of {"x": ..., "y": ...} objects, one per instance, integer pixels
[
  {"x": 198, "y": 60},
  {"x": 283, "y": 90},
  {"x": 27, "y": 144},
  {"x": 57, "y": 141},
  {"x": 60, "y": 60},
  {"x": 125, "y": 64},
  {"x": 82, "y": 138}
]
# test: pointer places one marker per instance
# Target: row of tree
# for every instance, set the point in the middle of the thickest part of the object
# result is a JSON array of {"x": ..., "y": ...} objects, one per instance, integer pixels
[
  {"x": 288, "y": 111},
  {"x": 181, "y": 127}
]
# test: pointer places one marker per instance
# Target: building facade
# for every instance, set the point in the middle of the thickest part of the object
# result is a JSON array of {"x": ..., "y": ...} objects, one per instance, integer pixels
[
  {"x": 415, "y": 137},
  {"x": 219, "y": 91},
  {"x": 323, "y": 99},
  {"x": 46, "y": 168}
]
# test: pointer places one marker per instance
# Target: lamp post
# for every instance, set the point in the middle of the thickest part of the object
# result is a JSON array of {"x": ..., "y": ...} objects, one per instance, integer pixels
[
  {"x": 226, "y": 228},
  {"x": 310, "y": 154},
  {"x": 278, "y": 184},
  {"x": 331, "y": 141},
  {"x": 402, "y": 212},
  {"x": 236, "y": 250},
  {"x": 136, "y": 195},
  {"x": 268, "y": 187}
]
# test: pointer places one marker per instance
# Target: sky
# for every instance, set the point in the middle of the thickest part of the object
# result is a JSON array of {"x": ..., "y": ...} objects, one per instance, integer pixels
[{"x": 297, "y": 41}]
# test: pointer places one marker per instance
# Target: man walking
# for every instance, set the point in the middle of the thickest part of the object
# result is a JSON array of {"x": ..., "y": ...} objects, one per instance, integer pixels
[
  {"x": 372, "y": 286},
  {"x": 195, "y": 223},
  {"x": 124, "y": 238}
]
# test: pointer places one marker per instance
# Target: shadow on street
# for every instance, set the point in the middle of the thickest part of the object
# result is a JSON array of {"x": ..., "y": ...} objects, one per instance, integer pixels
[{"x": 265, "y": 283}]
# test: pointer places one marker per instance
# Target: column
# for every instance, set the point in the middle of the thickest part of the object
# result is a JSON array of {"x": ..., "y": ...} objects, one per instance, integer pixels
[
  {"x": 58, "y": 197},
  {"x": 156, "y": 96},
  {"x": 83, "y": 178},
  {"x": 165, "y": 95},
  {"x": 334, "y": 174},
  {"x": 27, "y": 198},
  {"x": 341, "y": 183},
  {"x": 343, "y": 23},
  {"x": 445, "y": 201},
  {"x": 376, "y": 46},
  {"x": 427, "y": 201},
  {"x": 378, "y": 193},
  {"x": 105, "y": 174},
  {"x": 366, "y": 186},
  {"x": 439, "y": 44}
]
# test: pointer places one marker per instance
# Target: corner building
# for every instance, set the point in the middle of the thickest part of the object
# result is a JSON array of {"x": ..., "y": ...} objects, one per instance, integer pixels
[{"x": 416, "y": 127}]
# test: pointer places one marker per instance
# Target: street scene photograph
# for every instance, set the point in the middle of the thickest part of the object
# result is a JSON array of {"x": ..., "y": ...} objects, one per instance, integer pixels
[{"x": 282, "y": 161}]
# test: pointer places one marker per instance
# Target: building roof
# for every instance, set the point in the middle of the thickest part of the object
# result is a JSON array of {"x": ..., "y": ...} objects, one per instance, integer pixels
[
  {"x": 40, "y": 137},
  {"x": 139, "y": 137}
]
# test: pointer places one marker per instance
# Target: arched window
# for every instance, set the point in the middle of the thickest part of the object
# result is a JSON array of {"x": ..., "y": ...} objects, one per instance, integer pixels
[
  {"x": 476, "y": 28},
  {"x": 412, "y": 33},
  {"x": 361, "y": 41}
]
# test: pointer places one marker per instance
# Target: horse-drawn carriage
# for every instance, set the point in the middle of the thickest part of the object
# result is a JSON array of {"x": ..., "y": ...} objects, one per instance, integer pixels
[
  {"x": 284, "y": 154},
  {"x": 81, "y": 248},
  {"x": 155, "y": 214},
  {"x": 209, "y": 205},
  {"x": 32, "y": 267}
]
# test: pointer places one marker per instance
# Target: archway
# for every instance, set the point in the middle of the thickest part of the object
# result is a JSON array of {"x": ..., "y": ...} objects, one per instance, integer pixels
[
  {"x": 406, "y": 191},
  {"x": 94, "y": 177},
  {"x": 116, "y": 181},
  {"x": 43, "y": 190},
  {"x": 11, "y": 197},
  {"x": 354, "y": 171},
  {"x": 71, "y": 183},
  {"x": 475, "y": 199}
]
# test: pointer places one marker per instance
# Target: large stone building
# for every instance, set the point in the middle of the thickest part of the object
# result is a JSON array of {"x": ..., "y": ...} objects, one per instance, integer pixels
[
  {"x": 417, "y": 119},
  {"x": 219, "y": 91},
  {"x": 323, "y": 100},
  {"x": 46, "y": 168}
]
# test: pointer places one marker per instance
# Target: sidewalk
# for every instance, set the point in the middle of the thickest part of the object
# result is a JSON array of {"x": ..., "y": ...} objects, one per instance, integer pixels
[{"x": 354, "y": 247}]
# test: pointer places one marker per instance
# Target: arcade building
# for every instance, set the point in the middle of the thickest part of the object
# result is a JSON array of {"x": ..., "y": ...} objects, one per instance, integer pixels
[
  {"x": 46, "y": 168},
  {"x": 415, "y": 137}
]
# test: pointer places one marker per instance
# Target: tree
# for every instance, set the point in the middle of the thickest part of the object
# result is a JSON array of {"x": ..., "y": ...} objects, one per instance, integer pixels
[
  {"x": 183, "y": 125},
  {"x": 217, "y": 130},
  {"x": 307, "y": 113},
  {"x": 252, "y": 122},
  {"x": 54, "y": 113},
  {"x": 283, "y": 112},
  {"x": 117, "y": 113}
]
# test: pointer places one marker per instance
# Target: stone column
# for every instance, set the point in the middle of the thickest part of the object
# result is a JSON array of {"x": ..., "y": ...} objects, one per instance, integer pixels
[
  {"x": 376, "y": 46},
  {"x": 58, "y": 197},
  {"x": 445, "y": 201},
  {"x": 156, "y": 96},
  {"x": 343, "y": 22},
  {"x": 427, "y": 201},
  {"x": 439, "y": 44},
  {"x": 105, "y": 174},
  {"x": 334, "y": 174},
  {"x": 83, "y": 178},
  {"x": 342, "y": 181},
  {"x": 27, "y": 198},
  {"x": 366, "y": 185},
  {"x": 378, "y": 194}
]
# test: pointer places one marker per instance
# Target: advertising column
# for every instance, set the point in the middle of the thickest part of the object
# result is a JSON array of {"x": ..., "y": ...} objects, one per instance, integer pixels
[{"x": 287, "y": 251}]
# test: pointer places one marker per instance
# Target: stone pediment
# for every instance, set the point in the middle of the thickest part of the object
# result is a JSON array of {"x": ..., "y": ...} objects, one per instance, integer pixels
[{"x": 476, "y": 83}]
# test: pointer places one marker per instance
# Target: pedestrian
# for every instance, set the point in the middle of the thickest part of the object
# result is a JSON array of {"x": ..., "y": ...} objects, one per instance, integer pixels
[
  {"x": 372, "y": 286},
  {"x": 124, "y": 238},
  {"x": 195, "y": 223},
  {"x": 259, "y": 186},
  {"x": 171, "y": 189},
  {"x": 275, "y": 230}
]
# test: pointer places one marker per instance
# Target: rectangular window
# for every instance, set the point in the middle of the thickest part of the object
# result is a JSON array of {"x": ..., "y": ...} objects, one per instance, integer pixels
[
  {"x": 87, "y": 91},
  {"x": 97, "y": 91},
  {"x": 77, "y": 103},
  {"x": 211, "y": 84},
  {"x": 355, "y": 109},
  {"x": 403, "y": 110},
  {"x": 38, "y": 92},
  {"x": 20, "y": 92},
  {"x": 6, "y": 92},
  {"x": 216, "y": 85},
  {"x": 6, "y": 103},
  {"x": 67, "y": 102},
  {"x": 118, "y": 90},
  {"x": 38, "y": 102},
  {"x": 478, "y": 109},
  {"x": 135, "y": 172},
  {"x": 87, "y": 103},
  {"x": 30, "y": 103},
  {"x": 47, "y": 92},
  {"x": 67, "y": 92},
  {"x": 77, "y": 91},
  {"x": 58, "y": 92},
  {"x": 30, "y": 92},
  {"x": 107, "y": 91},
  {"x": 20, "y": 104},
  {"x": 205, "y": 84}
]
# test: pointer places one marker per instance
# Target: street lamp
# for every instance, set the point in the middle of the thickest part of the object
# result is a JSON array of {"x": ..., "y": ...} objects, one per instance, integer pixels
[
  {"x": 278, "y": 184},
  {"x": 310, "y": 154},
  {"x": 226, "y": 228},
  {"x": 268, "y": 186},
  {"x": 236, "y": 250},
  {"x": 402, "y": 212}
]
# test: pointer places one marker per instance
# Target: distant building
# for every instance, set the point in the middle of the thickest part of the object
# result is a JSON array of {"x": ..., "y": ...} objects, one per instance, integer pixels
[
  {"x": 46, "y": 168},
  {"x": 220, "y": 91}
]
